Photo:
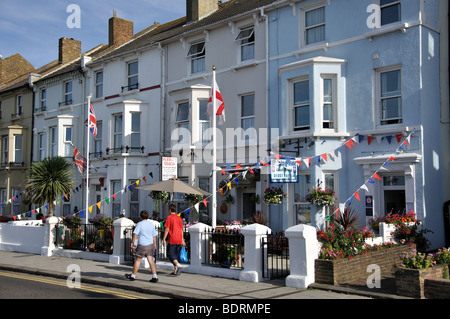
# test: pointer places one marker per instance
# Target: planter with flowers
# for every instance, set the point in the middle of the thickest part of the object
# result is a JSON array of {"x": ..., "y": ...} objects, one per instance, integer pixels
[
  {"x": 274, "y": 195},
  {"x": 158, "y": 196},
  {"x": 226, "y": 255},
  {"x": 416, "y": 268},
  {"x": 321, "y": 197}
]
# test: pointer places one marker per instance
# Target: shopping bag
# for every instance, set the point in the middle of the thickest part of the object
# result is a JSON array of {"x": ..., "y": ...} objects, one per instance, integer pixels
[{"x": 183, "y": 255}]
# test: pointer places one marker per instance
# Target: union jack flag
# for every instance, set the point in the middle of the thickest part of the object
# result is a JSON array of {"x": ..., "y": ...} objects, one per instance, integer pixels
[
  {"x": 80, "y": 161},
  {"x": 92, "y": 121}
]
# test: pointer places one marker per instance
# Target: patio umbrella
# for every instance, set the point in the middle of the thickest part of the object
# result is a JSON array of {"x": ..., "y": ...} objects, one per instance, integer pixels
[{"x": 174, "y": 186}]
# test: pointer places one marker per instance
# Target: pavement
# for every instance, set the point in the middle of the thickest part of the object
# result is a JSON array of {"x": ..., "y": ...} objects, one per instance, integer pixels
[{"x": 185, "y": 286}]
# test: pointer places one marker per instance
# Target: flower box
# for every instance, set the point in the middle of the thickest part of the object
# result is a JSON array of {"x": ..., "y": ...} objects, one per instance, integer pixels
[
  {"x": 411, "y": 282},
  {"x": 343, "y": 271}
]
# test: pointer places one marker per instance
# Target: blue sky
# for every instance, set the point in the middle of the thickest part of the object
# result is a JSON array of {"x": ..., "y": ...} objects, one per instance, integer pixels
[{"x": 32, "y": 28}]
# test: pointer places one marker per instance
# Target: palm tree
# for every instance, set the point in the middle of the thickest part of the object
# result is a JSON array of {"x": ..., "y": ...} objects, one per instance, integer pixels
[{"x": 48, "y": 180}]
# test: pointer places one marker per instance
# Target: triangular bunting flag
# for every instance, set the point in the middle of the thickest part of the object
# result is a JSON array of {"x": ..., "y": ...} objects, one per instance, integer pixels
[
  {"x": 90, "y": 209},
  {"x": 376, "y": 176},
  {"x": 324, "y": 156},
  {"x": 349, "y": 143},
  {"x": 369, "y": 139},
  {"x": 205, "y": 202},
  {"x": 357, "y": 195},
  {"x": 389, "y": 138},
  {"x": 145, "y": 179},
  {"x": 399, "y": 137},
  {"x": 107, "y": 200}
]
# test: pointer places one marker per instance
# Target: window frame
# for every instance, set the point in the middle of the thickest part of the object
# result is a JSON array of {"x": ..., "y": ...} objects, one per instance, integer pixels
[
  {"x": 133, "y": 133},
  {"x": 5, "y": 150},
  {"x": 196, "y": 56},
  {"x": 201, "y": 122},
  {"x": 185, "y": 122},
  {"x": 116, "y": 187},
  {"x": 383, "y": 7},
  {"x": 18, "y": 151},
  {"x": 41, "y": 145},
  {"x": 19, "y": 105},
  {"x": 98, "y": 141},
  {"x": 43, "y": 100},
  {"x": 99, "y": 85},
  {"x": 304, "y": 28},
  {"x": 332, "y": 104},
  {"x": 301, "y": 201},
  {"x": 133, "y": 200},
  {"x": 246, "y": 41},
  {"x": 68, "y": 93},
  {"x": 15, "y": 204},
  {"x": 53, "y": 139},
  {"x": 117, "y": 134},
  {"x": 68, "y": 138},
  {"x": 243, "y": 117},
  {"x": 380, "y": 99},
  {"x": 131, "y": 76},
  {"x": 303, "y": 128}
]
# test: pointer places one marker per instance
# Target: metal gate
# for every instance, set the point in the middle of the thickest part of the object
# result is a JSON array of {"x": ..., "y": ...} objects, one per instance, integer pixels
[{"x": 275, "y": 256}]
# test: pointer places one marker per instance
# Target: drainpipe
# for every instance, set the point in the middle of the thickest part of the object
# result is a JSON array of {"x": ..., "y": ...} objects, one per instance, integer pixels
[
  {"x": 162, "y": 100},
  {"x": 266, "y": 18}
]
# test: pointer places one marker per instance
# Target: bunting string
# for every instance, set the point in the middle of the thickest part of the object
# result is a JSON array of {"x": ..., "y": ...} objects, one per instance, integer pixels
[{"x": 307, "y": 161}]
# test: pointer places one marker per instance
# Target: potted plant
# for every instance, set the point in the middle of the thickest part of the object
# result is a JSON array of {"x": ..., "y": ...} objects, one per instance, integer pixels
[
  {"x": 100, "y": 221},
  {"x": 159, "y": 196},
  {"x": 320, "y": 197},
  {"x": 226, "y": 255},
  {"x": 274, "y": 195},
  {"x": 72, "y": 221}
]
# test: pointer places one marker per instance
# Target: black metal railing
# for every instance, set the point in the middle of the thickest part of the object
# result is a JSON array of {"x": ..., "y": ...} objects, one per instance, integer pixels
[
  {"x": 224, "y": 248},
  {"x": 275, "y": 256},
  {"x": 86, "y": 237}
]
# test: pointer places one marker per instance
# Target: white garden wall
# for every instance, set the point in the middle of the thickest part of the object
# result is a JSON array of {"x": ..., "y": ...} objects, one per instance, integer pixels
[{"x": 22, "y": 238}]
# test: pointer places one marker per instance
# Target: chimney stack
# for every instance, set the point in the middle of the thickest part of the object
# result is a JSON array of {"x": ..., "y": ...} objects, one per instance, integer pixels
[
  {"x": 196, "y": 9},
  {"x": 120, "y": 30},
  {"x": 69, "y": 50}
]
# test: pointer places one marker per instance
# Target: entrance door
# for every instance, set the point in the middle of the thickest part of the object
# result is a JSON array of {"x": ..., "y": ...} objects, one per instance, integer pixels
[
  {"x": 394, "y": 201},
  {"x": 394, "y": 194},
  {"x": 249, "y": 206}
]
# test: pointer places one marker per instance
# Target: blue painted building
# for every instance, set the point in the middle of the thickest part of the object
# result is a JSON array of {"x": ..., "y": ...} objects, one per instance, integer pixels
[{"x": 354, "y": 89}]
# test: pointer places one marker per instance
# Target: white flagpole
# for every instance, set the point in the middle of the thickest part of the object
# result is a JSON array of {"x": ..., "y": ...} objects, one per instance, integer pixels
[
  {"x": 214, "y": 159},
  {"x": 87, "y": 161}
]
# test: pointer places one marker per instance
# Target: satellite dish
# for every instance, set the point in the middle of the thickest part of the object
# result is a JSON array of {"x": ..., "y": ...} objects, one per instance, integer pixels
[{"x": 223, "y": 185}]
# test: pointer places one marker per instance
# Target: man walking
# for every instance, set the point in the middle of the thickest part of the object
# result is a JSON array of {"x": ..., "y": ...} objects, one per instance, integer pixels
[
  {"x": 146, "y": 233},
  {"x": 174, "y": 229}
]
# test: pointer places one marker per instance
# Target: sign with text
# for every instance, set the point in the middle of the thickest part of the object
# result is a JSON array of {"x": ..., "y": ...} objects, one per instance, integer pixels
[
  {"x": 169, "y": 168},
  {"x": 283, "y": 170}
]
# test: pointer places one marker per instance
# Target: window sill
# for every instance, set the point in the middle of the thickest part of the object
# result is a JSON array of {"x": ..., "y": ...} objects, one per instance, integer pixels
[
  {"x": 245, "y": 64},
  {"x": 387, "y": 29}
]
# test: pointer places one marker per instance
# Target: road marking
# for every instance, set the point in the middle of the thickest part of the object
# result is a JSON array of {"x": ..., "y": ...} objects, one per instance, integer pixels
[{"x": 63, "y": 284}]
